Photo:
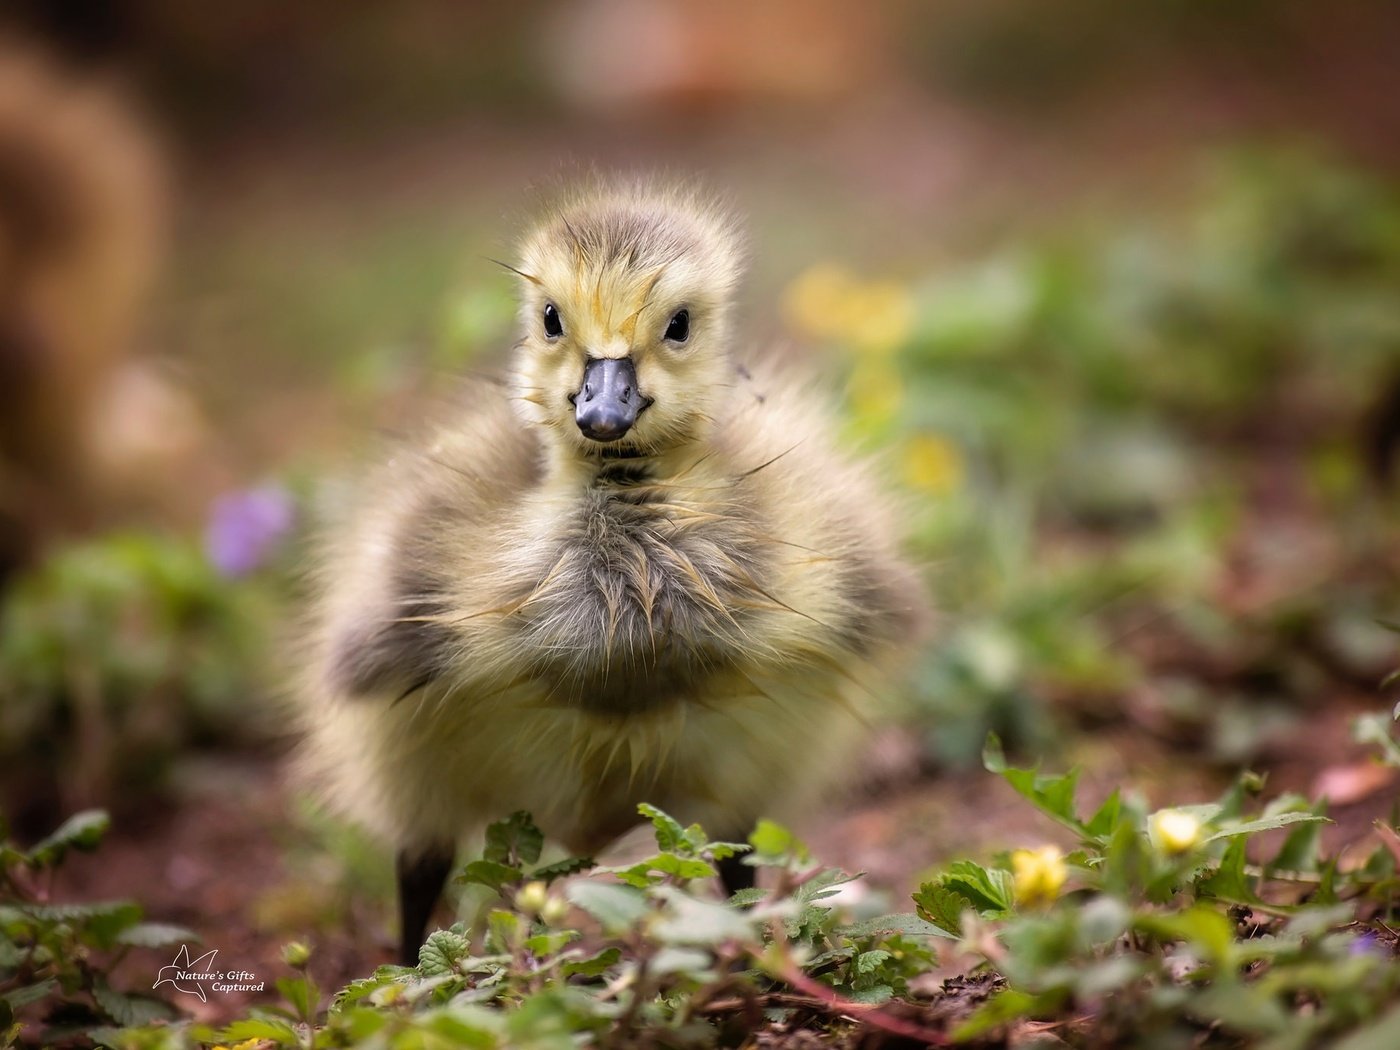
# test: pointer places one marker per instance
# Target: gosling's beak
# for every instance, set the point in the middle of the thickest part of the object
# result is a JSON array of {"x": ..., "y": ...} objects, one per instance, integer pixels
[{"x": 608, "y": 403}]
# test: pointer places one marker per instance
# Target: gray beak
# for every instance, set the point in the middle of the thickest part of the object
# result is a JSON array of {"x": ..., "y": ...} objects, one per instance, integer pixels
[{"x": 608, "y": 403}]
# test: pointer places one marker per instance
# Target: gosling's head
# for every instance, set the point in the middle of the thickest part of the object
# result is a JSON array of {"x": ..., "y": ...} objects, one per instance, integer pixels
[{"x": 625, "y": 320}]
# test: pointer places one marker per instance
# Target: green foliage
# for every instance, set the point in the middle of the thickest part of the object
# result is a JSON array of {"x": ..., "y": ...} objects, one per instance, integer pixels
[
  {"x": 1098, "y": 393},
  {"x": 1155, "y": 929},
  {"x": 55, "y": 959},
  {"x": 117, "y": 652}
]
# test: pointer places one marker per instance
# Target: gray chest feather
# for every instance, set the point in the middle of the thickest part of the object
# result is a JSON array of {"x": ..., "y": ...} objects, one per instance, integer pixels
[{"x": 645, "y": 600}]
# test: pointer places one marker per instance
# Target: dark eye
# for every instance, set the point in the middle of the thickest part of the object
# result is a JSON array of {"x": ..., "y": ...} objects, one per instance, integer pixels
[
  {"x": 553, "y": 327},
  {"x": 678, "y": 331}
]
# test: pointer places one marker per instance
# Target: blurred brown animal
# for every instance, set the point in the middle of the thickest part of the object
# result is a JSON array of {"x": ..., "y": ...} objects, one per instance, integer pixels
[{"x": 81, "y": 208}]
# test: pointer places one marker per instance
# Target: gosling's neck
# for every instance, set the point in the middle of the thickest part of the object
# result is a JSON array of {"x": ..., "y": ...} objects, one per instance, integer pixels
[{"x": 574, "y": 470}]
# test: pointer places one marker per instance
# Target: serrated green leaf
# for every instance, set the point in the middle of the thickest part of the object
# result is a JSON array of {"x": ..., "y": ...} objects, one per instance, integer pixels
[
  {"x": 1251, "y": 827},
  {"x": 562, "y": 869},
  {"x": 440, "y": 952},
  {"x": 489, "y": 873},
  {"x": 869, "y": 962},
  {"x": 747, "y": 897},
  {"x": 942, "y": 906},
  {"x": 681, "y": 867},
  {"x": 514, "y": 841},
  {"x": 130, "y": 1010},
  {"x": 669, "y": 833},
  {"x": 81, "y": 831},
  {"x": 616, "y": 907},
  {"x": 1052, "y": 795},
  {"x": 989, "y": 889},
  {"x": 903, "y": 923},
  {"x": 872, "y": 996},
  {"x": 691, "y": 921}
]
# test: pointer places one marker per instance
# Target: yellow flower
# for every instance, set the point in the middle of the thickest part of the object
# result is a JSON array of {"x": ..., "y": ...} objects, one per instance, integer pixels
[
  {"x": 1174, "y": 830},
  {"x": 817, "y": 300},
  {"x": 1037, "y": 875},
  {"x": 532, "y": 897},
  {"x": 932, "y": 464},
  {"x": 876, "y": 390},
  {"x": 828, "y": 302},
  {"x": 879, "y": 316}
]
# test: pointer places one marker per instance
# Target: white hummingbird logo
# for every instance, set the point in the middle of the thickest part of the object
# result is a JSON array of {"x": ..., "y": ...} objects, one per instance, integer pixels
[{"x": 177, "y": 973}]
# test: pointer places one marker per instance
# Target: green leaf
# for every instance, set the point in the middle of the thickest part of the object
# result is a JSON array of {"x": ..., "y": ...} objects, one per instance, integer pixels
[
  {"x": 130, "y": 1010},
  {"x": 593, "y": 965},
  {"x": 82, "y": 831},
  {"x": 1250, "y": 827},
  {"x": 562, "y": 869},
  {"x": 542, "y": 944},
  {"x": 774, "y": 844},
  {"x": 30, "y": 993},
  {"x": 988, "y": 889},
  {"x": 1105, "y": 818},
  {"x": 669, "y": 833},
  {"x": 489, "y": 873},
  {"x": 616, "y": 907},
  {"x": 503, "y": 931},
  {"x": 279, "y": 1032},
  {"x": 1201, "y": 927},
  {"x": 1052, "y": 795},
  {"x": 667, "y": 864},
  {"x": 300, "y": 993},
  {"x": 514, "y": 841},
  {"x": 156, "y": 935},
  {"x": 869, "y": 962},
  {"x": 689, "y": 920},
  {"x": 903, "y": 923},
  {"x": 441, "y": 951},
  {"x": 941, "y": 906},
  {"x": 1005, "y": 1006},
  {"x": 1230, "y": 881}
]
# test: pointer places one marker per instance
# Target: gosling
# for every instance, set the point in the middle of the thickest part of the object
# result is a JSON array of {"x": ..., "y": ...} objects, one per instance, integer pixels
[{"x": 639, "y": 572}]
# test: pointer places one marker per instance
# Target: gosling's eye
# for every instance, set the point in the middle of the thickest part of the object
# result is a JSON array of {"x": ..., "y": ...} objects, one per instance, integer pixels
[
  {"x": 678, "y": 331},
  {"x": 553, "y": 326}
]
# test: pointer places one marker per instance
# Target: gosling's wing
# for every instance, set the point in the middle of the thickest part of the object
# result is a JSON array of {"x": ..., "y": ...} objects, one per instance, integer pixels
[
  {"x": 836, "y": 528},
  {"x": 401, "y": 564}
]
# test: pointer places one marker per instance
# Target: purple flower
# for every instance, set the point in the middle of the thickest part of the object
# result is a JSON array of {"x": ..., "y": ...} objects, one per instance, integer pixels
[
  {"x": 1366, "y": 944},
  {"x": 244, "y": 528}
]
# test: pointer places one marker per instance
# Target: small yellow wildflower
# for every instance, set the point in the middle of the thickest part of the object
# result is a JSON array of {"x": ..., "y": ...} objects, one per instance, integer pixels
[
  {"x": 1174, "y": 830},
  {"x": 879, "y": 316},
  {"x": 554, "y": 912},
  {"x": 296, "y": 954},
  {"x": 817, "y": 300},
  {"x": 932, "y": 464},
  {"x": 532, "y": 897},
  {"x": 876, "y": 390},
  {"x": 1037, "y": 875}
]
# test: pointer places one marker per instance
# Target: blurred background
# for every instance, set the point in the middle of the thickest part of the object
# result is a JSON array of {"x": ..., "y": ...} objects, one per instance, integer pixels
[{"x": 1114, "y": 293}]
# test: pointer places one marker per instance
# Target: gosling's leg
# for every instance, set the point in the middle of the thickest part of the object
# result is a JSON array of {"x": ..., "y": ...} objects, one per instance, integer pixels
[
  {"x": 735, "y": 875},
  {"x": 422, "y": 874}
]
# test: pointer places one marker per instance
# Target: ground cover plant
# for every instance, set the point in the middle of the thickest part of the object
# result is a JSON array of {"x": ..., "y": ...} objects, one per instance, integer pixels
[{"x": 1216, "y": 924}]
